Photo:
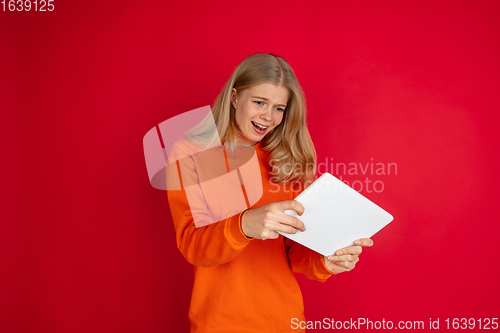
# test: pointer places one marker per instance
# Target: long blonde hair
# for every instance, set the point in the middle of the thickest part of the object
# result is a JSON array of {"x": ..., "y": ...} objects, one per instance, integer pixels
[{"x": 288, "y": 144}]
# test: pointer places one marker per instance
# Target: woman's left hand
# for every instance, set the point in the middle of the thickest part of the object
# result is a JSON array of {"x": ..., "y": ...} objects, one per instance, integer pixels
[{"x": 345, "y": 259}]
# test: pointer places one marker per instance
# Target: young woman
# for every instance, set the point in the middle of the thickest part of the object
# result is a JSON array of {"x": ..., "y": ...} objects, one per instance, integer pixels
[{"x": 243, "y": 267}]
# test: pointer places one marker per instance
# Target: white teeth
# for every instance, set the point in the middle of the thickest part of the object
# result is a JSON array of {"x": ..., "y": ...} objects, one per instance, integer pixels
[{"x": 259, "y": 126}]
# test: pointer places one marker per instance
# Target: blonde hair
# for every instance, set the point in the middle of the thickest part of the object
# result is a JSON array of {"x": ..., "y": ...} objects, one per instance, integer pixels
[{"x": 288, "y": 144}]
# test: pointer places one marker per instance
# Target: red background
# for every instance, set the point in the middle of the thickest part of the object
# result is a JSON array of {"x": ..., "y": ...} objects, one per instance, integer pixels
[{"x": 87, "y": 245}]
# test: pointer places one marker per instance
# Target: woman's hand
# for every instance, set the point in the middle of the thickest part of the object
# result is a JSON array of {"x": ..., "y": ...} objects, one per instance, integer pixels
[
  {"x": 345, "y": 259},
  {"x": 263, "y": 222}
]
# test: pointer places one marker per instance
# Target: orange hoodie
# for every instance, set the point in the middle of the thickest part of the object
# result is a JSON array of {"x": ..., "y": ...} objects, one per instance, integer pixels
[{"x": 243, "y": 284}]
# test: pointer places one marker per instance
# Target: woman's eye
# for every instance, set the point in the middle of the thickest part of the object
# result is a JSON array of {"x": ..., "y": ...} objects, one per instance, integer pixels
[{"x": 262, "y": 103}]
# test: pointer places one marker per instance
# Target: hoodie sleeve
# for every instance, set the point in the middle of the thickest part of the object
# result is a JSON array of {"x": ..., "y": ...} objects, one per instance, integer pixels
[{"x": 208, "y": 242}]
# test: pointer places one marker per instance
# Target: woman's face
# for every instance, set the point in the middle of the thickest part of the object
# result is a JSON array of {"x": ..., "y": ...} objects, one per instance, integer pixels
[{"x": 259, "y": 109}]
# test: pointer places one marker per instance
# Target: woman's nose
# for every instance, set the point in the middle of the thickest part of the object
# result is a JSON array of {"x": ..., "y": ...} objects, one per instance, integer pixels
[{"x": 266, "y": 114}]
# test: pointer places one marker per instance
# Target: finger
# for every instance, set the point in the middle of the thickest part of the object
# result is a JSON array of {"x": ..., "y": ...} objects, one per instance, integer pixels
[
  {"x": 269, "y": 234},
  {"x": 350, "y": 250},
  {"x": 288, "y": 229},
  {"x": 339, "y": 267},
  {"x": 291, "y": 204},
  {"x": 292, "y": 221},
  {"x": 334, "y": 268},
  {"x": 365, "y": 242},
  {"x": 349, "y": 265},
  {"x": 345, "y": 257},
  {"x": 273, "y": 234}
]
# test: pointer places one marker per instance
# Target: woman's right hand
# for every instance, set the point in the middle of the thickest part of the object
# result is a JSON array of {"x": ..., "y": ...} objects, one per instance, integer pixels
[{"x": 263, "y": 222}]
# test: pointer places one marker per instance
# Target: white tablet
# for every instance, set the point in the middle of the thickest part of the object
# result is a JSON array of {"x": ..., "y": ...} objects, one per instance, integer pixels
[{"x": 335, "y": 215}]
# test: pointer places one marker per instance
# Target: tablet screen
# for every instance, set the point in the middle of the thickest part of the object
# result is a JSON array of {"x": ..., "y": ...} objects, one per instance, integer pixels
[{"x": 335, "y": 215}]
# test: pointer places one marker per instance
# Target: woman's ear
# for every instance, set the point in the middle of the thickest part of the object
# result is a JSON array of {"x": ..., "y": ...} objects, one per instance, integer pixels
[{"x": 233, "y": 97}]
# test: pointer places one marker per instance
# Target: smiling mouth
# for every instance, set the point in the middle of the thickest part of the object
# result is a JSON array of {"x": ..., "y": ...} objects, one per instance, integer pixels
[{"x": 260, "y": 127}]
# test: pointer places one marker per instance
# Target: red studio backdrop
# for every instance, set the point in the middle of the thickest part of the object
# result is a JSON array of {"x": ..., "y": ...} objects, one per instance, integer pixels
[{"x": 88, "y": 245}]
